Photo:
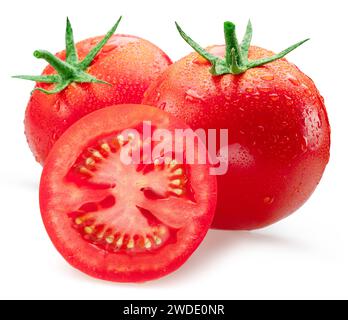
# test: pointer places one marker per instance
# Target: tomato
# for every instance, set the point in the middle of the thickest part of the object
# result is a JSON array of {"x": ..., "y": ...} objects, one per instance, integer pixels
[
  {"x": 117, "y": 221},
  {"x": 279, "y": 132},
  {"x": 127, "y": 63}
]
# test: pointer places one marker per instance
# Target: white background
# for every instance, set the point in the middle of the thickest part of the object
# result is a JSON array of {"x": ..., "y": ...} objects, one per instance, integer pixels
[{"x": 304, "y": 256}]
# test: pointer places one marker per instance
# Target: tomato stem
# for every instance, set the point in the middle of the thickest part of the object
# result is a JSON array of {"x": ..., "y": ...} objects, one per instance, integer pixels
[
  {"x": 71, "y": 53},
  {"x": 71, "y": 70},
  {"x": 236, "y": 56},
  {"x": 63, "y": 68}
]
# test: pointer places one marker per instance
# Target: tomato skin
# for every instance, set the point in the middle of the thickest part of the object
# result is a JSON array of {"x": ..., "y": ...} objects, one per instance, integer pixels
[
  {"x": 279, "y": 133},
  {"x": 55, "y": 191},
  {"x": 129, "y": 63}
]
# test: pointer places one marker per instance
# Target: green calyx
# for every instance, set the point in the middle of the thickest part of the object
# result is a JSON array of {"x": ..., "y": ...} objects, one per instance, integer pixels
[
  {"x": 71, "y": 70},
  {"x": 236, "y": 57}
]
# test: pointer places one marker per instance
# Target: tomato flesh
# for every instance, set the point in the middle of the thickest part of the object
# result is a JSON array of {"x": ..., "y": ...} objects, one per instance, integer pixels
[{"x": 123, "y": 222}]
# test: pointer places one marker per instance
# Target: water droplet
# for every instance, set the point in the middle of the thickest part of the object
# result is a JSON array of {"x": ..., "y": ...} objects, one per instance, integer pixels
[
  {"x": 306, "y": 89},
  {"x": 158, "y": 96},
  {"x": 163, "y": 105},
  {"x": 264, "y": 89},
  {"x": 274, "y": 97},
  {"x": 268, "y": 200},
  {"x": 192, "y": 95},
  {"x": 109, "y": 48},
  {"x": 275, "y": 138},
  {"x": 261, "y": 128},
  {"x": 200, "y": 60},
  {"x": 57, "y": 106},
  {"x": 304, "y": 145},
  {"x": 289, "y": 100},
  {"x": 293, "y": 80},
  {"x": 269, "y": 77},
  {"x": 55, "y": 136},
  {"x": 256, "y": 95}
]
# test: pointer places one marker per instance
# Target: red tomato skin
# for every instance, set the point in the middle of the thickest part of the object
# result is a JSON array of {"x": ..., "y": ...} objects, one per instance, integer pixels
[
  {"x": 88, "y": 258},
  {"x": 279, "y": 133},
  {"x": 129, "y": 63}
]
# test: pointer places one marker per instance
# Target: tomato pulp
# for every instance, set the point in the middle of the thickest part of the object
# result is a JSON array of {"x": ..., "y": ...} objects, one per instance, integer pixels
[{"x": 123, "y": 222}]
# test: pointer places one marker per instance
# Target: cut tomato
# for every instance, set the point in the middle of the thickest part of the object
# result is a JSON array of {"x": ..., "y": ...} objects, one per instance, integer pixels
[{"x": 119, "y": 221}]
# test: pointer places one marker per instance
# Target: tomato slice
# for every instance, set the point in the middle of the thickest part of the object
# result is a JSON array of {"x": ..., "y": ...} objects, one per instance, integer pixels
[{"x": 117, "y": 221}]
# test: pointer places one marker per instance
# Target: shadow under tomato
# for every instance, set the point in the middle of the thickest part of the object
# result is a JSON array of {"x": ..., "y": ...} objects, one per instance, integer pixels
[{"x": 215, "y": 244}]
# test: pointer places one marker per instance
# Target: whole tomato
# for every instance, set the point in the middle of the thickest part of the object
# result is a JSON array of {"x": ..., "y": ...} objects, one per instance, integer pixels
[
  {"x": 279, "y": 132},
  {"x": 96, "y": 73}
]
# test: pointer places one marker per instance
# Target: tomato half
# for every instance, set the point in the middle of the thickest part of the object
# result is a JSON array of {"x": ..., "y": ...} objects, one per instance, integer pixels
[{"x": 123, "y": 222}]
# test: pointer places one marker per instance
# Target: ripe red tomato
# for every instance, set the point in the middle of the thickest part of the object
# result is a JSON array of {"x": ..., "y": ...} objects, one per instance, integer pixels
[
  {"x": 279, "y": 132},
  {"x": 122, "y": 222},
  {"x": 129, "y": 64}
]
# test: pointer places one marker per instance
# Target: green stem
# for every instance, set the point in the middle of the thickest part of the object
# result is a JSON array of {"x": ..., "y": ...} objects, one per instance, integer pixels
[
  {"x": 261, "y": 62},
  {"x": 70, "y": 48},
  {"x": 205, "y": 54},
  {"x": 63, "y": 68},
  {"x": 236, "y": 56},
  {"x": 92, "y": 54},
  {"x": 231, "y": 44},
  {"x": 245, "y": 45},
  {"x": 53, "y": 78},
  {"x": 234, "y": 66},
  {"x": 70, "y": 70}
]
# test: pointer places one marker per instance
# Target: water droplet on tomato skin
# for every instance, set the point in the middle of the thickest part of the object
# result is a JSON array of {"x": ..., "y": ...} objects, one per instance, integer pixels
[
  {"x": 305, "y": 87},
  {"x": 289, "y": 100},
  {"x": 276, "y": 138},
  {"x": 192, "y": 95},
  {"x": 163, "y": 105},
  {"x": 200, "y": 60},
  {"x": 261, "y": 128},
  {"x": 268, "y": 77},
  {"x": 304, "y": 145},
  {"x": 274, "y": 97},
  {"x": 158, "y": 96},
  {"x": 268, "y": 200},
  {"x": 264, "y": 89},
  {"x": 57, "y": 106},
  {"x": 108, "y": 48},
  {"x": 293, "y": 80}
]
